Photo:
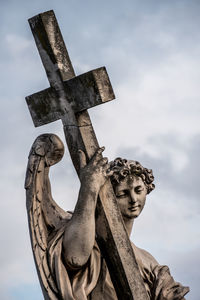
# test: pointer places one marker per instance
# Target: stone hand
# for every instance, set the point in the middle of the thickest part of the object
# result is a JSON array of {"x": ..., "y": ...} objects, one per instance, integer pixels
[
  {"x": 96, "y": 172},
  {"x": 167, "y": 288},
  {"x": 176, "y": 293}
]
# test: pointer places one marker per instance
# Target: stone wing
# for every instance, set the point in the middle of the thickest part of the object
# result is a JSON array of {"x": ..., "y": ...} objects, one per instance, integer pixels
[{"x": 45, "y": 217}]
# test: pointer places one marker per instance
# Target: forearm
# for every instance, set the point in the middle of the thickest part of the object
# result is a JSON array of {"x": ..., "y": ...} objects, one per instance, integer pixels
[{"x": 79, "y": 236}]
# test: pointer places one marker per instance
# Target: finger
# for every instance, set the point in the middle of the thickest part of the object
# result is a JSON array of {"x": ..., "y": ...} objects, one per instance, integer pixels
[
  {"x": 109, "y": 172},
  {"x": 106, "y": 169},
  {"x": 82, "y": 159},
  {"x": 181, "y": 292},
  {"x": 177, "y": 292},
  {"x": 103, "y": 161},
  {"x": 97, "y": 156}
]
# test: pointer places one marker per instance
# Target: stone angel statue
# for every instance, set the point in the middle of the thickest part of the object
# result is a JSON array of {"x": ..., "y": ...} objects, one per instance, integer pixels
[{"x": 68, "y": 260}]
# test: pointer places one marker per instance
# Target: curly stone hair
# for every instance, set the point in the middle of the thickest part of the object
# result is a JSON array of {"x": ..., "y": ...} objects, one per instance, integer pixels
[{"x": 122, "y": 168}]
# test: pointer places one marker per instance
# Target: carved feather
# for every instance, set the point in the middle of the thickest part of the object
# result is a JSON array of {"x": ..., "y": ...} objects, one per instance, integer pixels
[{"x": 44, "y": 215}]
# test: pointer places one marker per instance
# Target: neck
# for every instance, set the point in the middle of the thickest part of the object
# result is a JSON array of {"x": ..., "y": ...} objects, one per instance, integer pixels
[{"x": 129, "y": 225}]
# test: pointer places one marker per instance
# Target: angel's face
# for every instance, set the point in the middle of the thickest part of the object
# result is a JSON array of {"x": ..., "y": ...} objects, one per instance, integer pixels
[{"x": 131, "y": 196}]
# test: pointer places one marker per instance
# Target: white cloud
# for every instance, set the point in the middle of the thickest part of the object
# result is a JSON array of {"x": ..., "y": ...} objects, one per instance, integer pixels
[
  {"x": 151, "y": 51},
  {"x": 17, "y": 45}
]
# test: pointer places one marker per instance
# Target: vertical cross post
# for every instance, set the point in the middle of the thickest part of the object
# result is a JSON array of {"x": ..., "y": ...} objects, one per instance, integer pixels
[{"x": 68, "y": 99}]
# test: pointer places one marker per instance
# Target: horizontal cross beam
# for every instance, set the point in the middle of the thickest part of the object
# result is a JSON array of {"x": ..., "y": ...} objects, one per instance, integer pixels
[{"x": 84, "y": 91}]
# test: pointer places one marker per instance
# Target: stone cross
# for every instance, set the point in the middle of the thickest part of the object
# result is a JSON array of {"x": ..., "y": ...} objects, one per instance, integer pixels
[{"x": 68, "y": 99}]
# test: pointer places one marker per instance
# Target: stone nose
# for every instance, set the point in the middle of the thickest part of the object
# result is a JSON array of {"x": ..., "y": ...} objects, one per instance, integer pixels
[{"x": 132, "y": 197}]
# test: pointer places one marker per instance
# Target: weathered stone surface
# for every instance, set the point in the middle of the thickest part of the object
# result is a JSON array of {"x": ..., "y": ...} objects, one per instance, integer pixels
[
  {"x": 83, "y": 92},
  {"x": 53, "y": 230},
  {"x": 80, "y": 135},
  {"x": 51, "y": 46}
]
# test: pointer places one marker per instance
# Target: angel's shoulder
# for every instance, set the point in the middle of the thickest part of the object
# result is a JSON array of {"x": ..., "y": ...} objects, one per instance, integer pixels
[{"x": 144, "y": 257}]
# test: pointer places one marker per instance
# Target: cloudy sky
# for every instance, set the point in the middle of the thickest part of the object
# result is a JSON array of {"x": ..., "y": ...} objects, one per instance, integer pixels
[{"x": 151, "y": 49}]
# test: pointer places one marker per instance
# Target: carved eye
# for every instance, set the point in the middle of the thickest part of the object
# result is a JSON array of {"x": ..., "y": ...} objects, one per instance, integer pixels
[
  {"x": 122, "y": 194},
  {"x": 139, "y": 189}
]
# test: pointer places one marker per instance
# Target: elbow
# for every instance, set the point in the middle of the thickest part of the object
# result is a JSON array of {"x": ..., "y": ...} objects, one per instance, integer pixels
[
  {"x": 76, "y": 262},
  {"x": 75, "y": 256},
  {"x": 76, "y": 248}
]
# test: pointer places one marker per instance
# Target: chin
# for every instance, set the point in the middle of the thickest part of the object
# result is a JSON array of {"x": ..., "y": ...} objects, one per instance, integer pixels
[
  {"x": 130, "y": 216},
  {"x": 134, "y": 216}
]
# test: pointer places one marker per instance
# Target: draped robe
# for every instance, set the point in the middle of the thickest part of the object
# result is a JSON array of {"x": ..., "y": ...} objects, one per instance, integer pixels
[{"x": 92, "y": 281}]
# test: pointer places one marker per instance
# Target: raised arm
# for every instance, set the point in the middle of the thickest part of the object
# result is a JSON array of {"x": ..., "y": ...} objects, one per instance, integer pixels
[{"x": 79, "y": 236}]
